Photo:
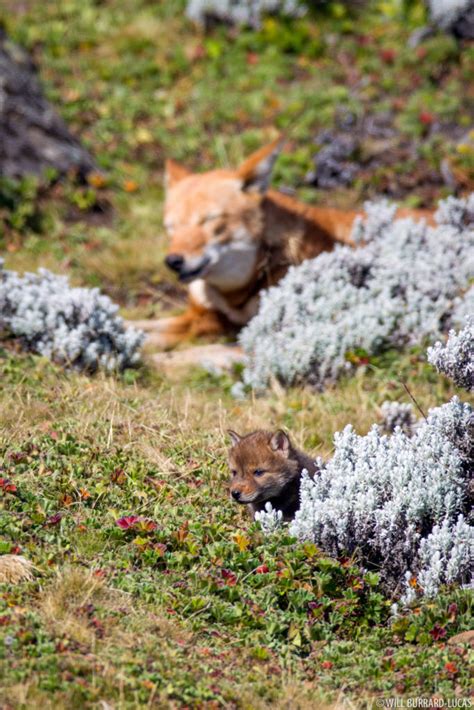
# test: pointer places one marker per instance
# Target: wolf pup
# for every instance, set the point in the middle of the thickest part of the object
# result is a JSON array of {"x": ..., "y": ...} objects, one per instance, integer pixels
[{"x": 266, "y": 467}]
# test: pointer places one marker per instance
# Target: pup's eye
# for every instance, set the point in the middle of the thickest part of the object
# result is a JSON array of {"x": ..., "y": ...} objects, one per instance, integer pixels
[
  {"x": 258, "y": 472},
  {"x": 233, "y": 472}
]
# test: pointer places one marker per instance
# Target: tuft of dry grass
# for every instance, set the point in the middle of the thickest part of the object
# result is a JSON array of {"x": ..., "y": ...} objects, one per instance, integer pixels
[
  {"x": 15, "y": 569},
  {"x": 63, "y": 603}
]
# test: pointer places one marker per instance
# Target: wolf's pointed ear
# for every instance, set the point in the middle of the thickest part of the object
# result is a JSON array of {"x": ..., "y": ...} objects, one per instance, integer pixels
[
  {"x": 234, "y": 437},
  {"x": 280, "y": 442},
  {"x": 256, "y": 171},
  {"x": 174, "y": 172}
]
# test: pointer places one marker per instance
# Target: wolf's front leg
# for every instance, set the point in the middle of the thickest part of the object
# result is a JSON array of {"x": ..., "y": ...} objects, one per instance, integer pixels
[
  {"x": 238, "y": 316},
  {"x": 196, "y": 321}
]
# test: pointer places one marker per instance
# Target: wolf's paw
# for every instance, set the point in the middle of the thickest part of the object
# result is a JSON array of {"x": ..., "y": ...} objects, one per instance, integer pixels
[
  {"x": 160, "y": 340},
  {"x": 149, "y": 325}
]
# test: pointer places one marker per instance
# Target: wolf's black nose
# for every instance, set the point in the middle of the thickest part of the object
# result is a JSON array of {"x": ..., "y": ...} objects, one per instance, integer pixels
[
  {"x": 174, "y": 261},
  {"x": 236, "y": 495}
]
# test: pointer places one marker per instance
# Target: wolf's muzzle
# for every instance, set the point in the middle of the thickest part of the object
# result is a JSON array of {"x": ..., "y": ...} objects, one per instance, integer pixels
[{"x": 174, "y": 262}]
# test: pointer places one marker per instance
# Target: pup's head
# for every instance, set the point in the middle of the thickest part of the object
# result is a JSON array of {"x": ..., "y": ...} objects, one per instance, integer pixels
[
  {"x": 261, "y": 465},
  {"x": 214, "y": 220}
]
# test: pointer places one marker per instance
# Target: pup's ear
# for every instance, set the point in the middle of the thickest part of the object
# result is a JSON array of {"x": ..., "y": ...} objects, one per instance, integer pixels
[
  {"x": 280, "y": 442},
  {"x": 256, "y": 171},
  {"x": 234, "y": 437},
  {"x": 174, "y": 172}
]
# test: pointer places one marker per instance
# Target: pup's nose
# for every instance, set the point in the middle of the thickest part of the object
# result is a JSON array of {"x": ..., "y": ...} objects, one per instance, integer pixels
[
  {"x": 236, "y": 495},
  {"x": 174, "y": 261}
]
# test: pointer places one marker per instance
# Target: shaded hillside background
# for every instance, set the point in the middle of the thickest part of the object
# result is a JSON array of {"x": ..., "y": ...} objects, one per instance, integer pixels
[{"x": 151, "y": 588}]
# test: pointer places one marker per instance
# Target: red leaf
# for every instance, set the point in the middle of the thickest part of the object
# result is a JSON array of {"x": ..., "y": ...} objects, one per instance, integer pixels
[
  {"x": 118, "y": 476},
  {"x": 262, "y": 569},
  {"x": 388, "y": 55},
  {"x": 437, "y": 632},
  {"x": 426, "y": 118},
  {"x": 7, "y": 486},
  {"x": 450, "y": 667},
  {"x": 54, "y": 519},
  {"x": 453, "y": 610},
  {"x": 327, "y": 664},
  {"x": 127, "y": 522},
  {"x": 229, "y": 577}
]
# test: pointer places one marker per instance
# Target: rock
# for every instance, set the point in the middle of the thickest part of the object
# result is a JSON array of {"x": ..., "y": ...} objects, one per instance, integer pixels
[
  {"x": 214, "y": 358},
  {"x": 32, "y": 135},
  {"x": 466, "y": 637}
]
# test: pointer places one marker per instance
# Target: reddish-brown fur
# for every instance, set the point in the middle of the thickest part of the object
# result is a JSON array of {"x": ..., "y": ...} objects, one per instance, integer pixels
[
  {"x": 231, "y": 237},
  {"x": 266, "y": 467}
]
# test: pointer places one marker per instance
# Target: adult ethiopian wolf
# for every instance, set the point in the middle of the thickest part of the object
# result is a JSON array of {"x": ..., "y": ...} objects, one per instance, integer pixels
[{"x": 231, "y": 236}]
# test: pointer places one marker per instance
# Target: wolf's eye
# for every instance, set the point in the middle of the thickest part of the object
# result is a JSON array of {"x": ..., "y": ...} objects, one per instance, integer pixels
[
  {"x": 219, "y": 230},
  {"x": 258, "y": 472},
  {"x": 233, "y": 472}
]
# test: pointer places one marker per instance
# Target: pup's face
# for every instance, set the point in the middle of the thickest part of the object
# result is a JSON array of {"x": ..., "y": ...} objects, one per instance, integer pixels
[{"x": 260, "y": 466}]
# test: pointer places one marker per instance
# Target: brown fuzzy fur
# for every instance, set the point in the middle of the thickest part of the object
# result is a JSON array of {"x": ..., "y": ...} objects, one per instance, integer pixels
[{"x": 281, "y": 465}]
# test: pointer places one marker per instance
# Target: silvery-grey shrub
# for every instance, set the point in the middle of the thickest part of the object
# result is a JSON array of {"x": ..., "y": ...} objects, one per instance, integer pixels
[
  {"x": 463, "y": 308},
  {"x": 398, "y": 415},
  {"x": 446, "y": 555},
  {"x": 404, "y": 503},
  {"x": 455, "y": 358},
  {"x": 240, "y": 12},
  {"x": 404, "y": 285},
  {"x": 445, "y": 13},
  {"x": 77, "y": 327},
  {"x": 270, "y": 519}
]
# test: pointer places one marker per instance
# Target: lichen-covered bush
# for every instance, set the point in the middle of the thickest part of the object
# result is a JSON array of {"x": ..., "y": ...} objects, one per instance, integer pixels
[
  {"x": 456, "y": 358},
  {"x": 240, "y": 12},
  {"x": 463, "y": 308},
  {"x": 403, "y": 286},
  {"x": 398, "y": 415},
  {"x": 447, "y": 13},
  {"x": 77, "y": 327},
  {"x": 270, "y": 519},
  {"x": 446, "y": 555},
  {"x": 402, "y": 502}
]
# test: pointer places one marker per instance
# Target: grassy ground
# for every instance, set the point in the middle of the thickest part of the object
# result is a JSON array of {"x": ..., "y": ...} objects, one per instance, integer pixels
[{"x": 188, "y": 605}]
